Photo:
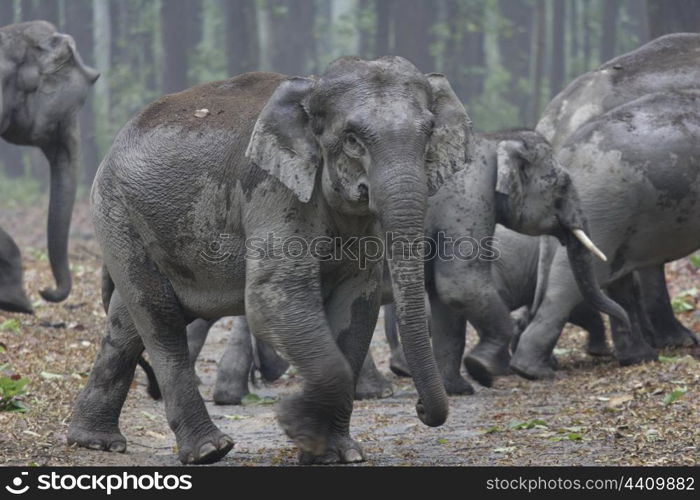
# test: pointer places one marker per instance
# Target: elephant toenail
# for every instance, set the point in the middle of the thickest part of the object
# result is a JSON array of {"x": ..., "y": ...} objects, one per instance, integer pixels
[
  {"x": 206, "y": 449},
  {"x": 353, "y": 456},
  {"x": 117, "y": 447},
  {"x": 95, "y": 445},
  {"x": 226, "y": 442}
]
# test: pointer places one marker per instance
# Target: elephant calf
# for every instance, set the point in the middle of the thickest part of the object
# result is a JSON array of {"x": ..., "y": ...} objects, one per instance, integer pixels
[{"x": 12, "y": 296}]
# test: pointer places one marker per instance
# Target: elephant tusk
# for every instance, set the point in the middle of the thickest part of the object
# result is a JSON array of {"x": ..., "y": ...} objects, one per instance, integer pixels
[{"x": 586, "y": 242}]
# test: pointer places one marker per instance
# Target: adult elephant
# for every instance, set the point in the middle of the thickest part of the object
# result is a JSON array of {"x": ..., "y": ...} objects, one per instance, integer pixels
[
  {"x": 266, "y": 164},
  {"x": 638, "y": 173},
  {"x": 12, "y": 296},
  {"x": 43, "y": 84},
  {"x": 671, "y": 62}
]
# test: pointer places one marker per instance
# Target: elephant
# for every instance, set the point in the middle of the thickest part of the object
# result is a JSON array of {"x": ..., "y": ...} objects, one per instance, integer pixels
[
  {"x": 12, "y": 296},
  {"x": 670, "y": 62},
  {"x": 196, "y": 207},
  {"x": 43, "y": 85},
  {"x": 637, "y": 172}
]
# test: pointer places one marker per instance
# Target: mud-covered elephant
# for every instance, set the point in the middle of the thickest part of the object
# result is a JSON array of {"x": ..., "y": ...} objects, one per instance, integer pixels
[
  {"x": 671, "y": 62},
  {"x": 203, "y": 208},
  {"x": 637, "y": 170},
  {"x": 12, "y": 296},
  {"x": 43, "y": 84}
]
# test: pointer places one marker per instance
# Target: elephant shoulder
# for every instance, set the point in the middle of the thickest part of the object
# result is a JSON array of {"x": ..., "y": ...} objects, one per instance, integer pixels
[{"x": 227, "y": 104}]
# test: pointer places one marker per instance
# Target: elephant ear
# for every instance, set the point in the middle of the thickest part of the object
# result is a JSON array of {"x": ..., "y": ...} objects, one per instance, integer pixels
[
  {"x": 283, "y": 143},
  {"x": 510, "y": 164},
  {"x": 450, "y": 145}
]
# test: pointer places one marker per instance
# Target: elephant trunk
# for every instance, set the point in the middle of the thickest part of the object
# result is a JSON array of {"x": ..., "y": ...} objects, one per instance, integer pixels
[
  {"x": 580, "y": 250},
  {"x": 403, "y": 197},
  {"x": 63, "y": 156}
]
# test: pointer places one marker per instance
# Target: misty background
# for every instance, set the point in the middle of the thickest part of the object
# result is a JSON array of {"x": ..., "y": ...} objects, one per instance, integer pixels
[{"x": 504, "y": 58}]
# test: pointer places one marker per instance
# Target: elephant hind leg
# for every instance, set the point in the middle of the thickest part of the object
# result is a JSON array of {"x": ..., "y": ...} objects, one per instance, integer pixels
[
  {"x": 95, "y": 422},
  {"x": 590, "y": 320},
  {"x": 630, "y": 345}
]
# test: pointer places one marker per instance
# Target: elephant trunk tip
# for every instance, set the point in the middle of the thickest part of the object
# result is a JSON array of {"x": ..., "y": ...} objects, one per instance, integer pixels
[
  {"x": 434, "y": 418},
  {"x": 58, "y": 295}
]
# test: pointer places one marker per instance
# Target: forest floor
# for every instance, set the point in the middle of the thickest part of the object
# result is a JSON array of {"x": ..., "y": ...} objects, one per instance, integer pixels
[{"x": 592, "y": 413}]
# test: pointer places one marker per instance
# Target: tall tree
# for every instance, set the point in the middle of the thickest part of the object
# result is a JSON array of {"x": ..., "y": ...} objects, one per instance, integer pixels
[
  {"x": 173, "y": 16},
  {"x": 673, "y": 16},
  {"x": 515, "y": 51},
  {"x": 382, "y": 13},
  {"x": 78, "y": 17},
  {"x": 558, "y": 63},
  {"x": 587, "y": 49},
  {"x": 540, "y": 53},
  {"x": 364, "y": 33},
  {"x": 291, "y": 36},
  {"x": 637, "y": 13},
  {"x": 242, "y": 45},
  {"x": 413, "y": 21},
  {"x": 611, "y": 12}
]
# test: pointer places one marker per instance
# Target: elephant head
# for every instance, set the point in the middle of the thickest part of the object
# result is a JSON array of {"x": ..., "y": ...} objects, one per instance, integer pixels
[
  {"x": 536, "y": 196},
  {"x": 12, "y": 296},
  {"x": 376, "y": 138},
  {"x": 44, "y": 84}
]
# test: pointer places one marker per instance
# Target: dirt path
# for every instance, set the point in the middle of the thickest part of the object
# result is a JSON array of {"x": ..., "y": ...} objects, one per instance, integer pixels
[{"x": 592, "y": 413}]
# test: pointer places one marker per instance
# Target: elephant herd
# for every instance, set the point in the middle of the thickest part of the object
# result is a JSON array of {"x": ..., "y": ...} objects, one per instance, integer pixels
[{"x": 260, "y": 197}]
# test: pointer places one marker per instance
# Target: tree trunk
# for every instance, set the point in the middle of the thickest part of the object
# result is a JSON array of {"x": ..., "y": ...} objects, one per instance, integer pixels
[
  {"x": 383, "y": 10},
  {"x": 611, "y": 11},
  {"x": 586, "y": 35},
  {"x": 541, "y": 48},
  {"x": 364, "y": 45},
  {"x": 673, "y": 16},
  {"x": 412, "y": 23},
  {"x": 515, "y": 52},
  {"x": 79, "y": 26},
  {"x": 557, "y": 66},
  {"x": 637, "y": 13},
  {"x": 173, "y": 18},
  {"x": 291, "y": 36},
  {"x": 242, "y": 47}
]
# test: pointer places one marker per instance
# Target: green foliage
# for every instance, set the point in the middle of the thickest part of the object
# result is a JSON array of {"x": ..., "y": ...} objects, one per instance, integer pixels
[
  {"x": 674, "y": 395},
  {"x": 254, "y": 399},
  {"x": 695, "y": 260},
  {"x": 683, "y": 302},
  {"x": 23, "y": 191},
  {"x": 532, "y": 424},
  {"x": 11, "y": 388},
  {"x": 10, "y": 325}
]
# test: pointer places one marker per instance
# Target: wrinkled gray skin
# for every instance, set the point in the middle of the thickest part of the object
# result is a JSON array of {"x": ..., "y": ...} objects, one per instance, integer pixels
[
  {"x": 12, "y": 296},
  {"x": 637, "y": 172},
  {"x": 514, "y": 180},
  {"x": 670, "y": 62},
  {"x": 358, "y": 149},
  {"x": 535, "y": 195},
  {"x": 43, "y": 85}
]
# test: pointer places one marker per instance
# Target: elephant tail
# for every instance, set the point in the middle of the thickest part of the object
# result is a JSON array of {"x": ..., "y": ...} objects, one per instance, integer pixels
[{"x": 153, "y": 388}]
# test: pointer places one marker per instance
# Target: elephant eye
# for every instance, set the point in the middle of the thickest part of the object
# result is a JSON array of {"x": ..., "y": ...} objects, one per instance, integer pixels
[{"x": 352, "y": 146}]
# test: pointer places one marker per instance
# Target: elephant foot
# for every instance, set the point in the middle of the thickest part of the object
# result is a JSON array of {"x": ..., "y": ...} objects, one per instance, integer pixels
[
  {"x": 457, "y": 386},
  {"x": 373, "y": 386},
  {"x": 485, "y": 362},
  {"x": 641, "y": 355},
  {"x": 398, "y": 364},
  {"x": 271, "y": 365},
  {"x": 598, "y": 349},
  {"x": 112, "y": 441},
  {"x": 340, "y": 450},
  {"x": 229, "y": 394},
  {"x": 532, "y": 369},
  {"x": 303, "y": 421},
  {"x": 206, "y": 449},
  {"x": 675, "y": 337}
]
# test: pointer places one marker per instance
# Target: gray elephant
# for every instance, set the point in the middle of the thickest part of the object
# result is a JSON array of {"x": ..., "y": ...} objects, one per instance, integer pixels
[
  {"x": 43, "y": 84},
  {"x": 513, "y": 179},
  {"x": 670, "y": 62},
  {"x": 12, "y": 296},
  {"x": 258, "y": 163},
  {"x": 637, "y": 172}
]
